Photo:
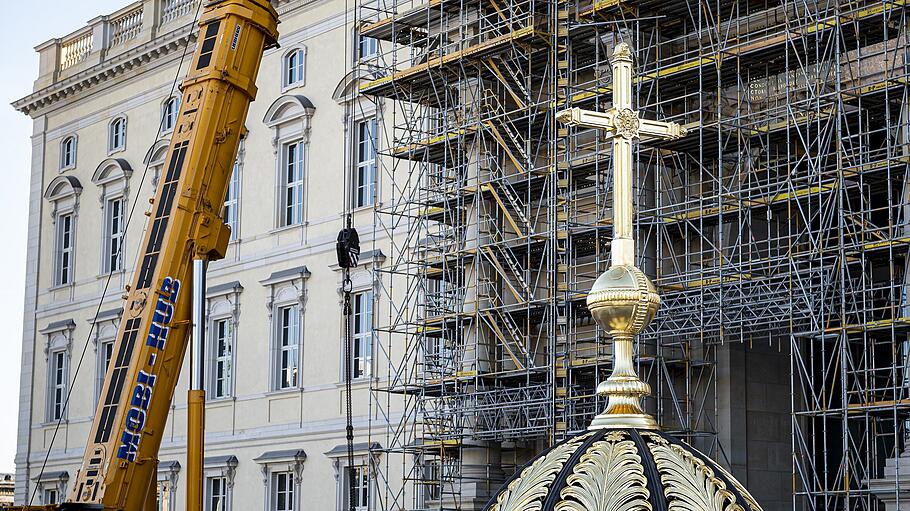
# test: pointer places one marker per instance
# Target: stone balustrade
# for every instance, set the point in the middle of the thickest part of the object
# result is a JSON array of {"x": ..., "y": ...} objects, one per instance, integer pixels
[{"x": 107, "y": 37}]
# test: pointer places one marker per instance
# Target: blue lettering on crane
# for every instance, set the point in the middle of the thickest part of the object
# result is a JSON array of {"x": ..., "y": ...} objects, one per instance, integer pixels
[{"x": 145, "y": 382}]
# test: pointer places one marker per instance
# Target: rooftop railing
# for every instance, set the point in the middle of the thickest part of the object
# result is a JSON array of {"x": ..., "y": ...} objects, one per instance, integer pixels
[{"x": 107, "y": 37}]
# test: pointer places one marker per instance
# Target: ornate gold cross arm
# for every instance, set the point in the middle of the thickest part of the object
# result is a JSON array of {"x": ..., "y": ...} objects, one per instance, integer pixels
[{"x": 622, "y": 123}]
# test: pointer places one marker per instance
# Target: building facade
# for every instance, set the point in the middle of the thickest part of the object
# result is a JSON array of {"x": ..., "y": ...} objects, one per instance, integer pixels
[
  {"x": 775, "y": 231},
  {"x": 103, "y": 107}
]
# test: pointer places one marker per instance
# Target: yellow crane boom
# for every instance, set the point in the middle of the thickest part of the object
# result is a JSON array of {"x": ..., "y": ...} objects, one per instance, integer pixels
[{"x": 120, "y": 463}]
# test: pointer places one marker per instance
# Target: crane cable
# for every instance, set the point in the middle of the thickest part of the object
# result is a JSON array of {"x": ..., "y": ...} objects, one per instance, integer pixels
[
  {"x": 107, "y": 281},
  {"x": 347, "y": 249}
]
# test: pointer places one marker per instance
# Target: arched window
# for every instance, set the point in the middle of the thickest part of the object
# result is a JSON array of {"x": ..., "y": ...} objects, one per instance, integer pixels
[
  {"x": 112, "y": 178},
  {"x": 289, "y": 118},
  {"x": 63, "y": 194},
  {"x": 169, "y": 113},
  {"x": 68, "y": 152},
  {"x": 116, "y": 138},
  {"x": 294, "y": 67}
]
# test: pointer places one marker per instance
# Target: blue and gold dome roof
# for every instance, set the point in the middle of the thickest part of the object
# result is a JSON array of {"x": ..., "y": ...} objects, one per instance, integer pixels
[{"x": 622, "y": 470}]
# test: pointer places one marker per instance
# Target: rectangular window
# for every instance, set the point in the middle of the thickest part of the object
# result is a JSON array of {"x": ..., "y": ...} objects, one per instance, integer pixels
[
  {"x": 169, "y": 115},
  {"x": 117, "y": 135},
  {"x": 292, "y": 200},
  {"x": 50, "y": 496},
  {"x": 113, "y": 235},
  {"x": 58, "y": 384},
  {"x": 282, "y": 491},
  {"x": 216, "y": 494},
  {"x": 294, "y": 67},
  {"x": 359, "y": 477},
  {"x": 288, "y": 347},
  {"x": 365, "y": 178},
  {"x": 232, "y": 201},
  {"x": 106, "y": 351},
  {"x": 367, "y": 48},
  {"x": 363, "y": 335},
  {"x": 64, "y": 250},
  {"x": 223, "y": 371}
]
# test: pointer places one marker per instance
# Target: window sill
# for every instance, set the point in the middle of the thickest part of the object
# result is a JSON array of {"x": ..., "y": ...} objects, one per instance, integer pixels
[
  {"x": 111, "y": 152},
  {"x": 53, "y": 423},
  {"x": 111, "y": 274},
  {"x": 357, "y": 382},
  {"x": 291, "y": 86},
  {"x": 283, "y": 392},
  {"x": 361, "y": 209},
  {"x": 287, "y": 228},
  {"x": 59, "y": 287},
  {"x": 220, "y": 400},
  {"x": 68, "y": 167}
]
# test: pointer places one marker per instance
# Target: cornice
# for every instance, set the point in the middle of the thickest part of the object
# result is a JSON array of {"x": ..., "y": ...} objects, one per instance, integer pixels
[{"x": 159, "y": 47}]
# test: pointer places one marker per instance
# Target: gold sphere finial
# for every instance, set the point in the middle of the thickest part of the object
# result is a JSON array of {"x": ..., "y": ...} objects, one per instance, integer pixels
[{"x": 623, "y": 302}]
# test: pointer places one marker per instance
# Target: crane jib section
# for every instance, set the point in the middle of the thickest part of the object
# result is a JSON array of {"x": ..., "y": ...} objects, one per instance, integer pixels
[{"x": 120, "y": 462}]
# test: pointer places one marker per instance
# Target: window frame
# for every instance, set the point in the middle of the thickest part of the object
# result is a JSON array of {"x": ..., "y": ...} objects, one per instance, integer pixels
[
  {"x": 294, "y": 351},
  {"x": 112, "y": 242},
  {"x": 363, "y": 486},
  {"x": 219, "y": 467},
  {"x": 290, "y": 493},
  {"x": 286, "y": 289},
  {"x": 68, "y": 152},
  {"x": 58, "y": 384},
  {"x": 45, "y": 500},
  {"x": 297, "y": 187},
  {"x": 64, "y": 231},
  {"x": 230, "y": 209},
  {"x": 209, "y": 493},
  {"x": 370, "y": 43},
  {"x": 116, "y": 139},
  {"x": 168, "y": 115},
  {"x": 362, "y": 334},
  {"x": 363, "y": 460},
  {"x": 365, "y": 163},
  {"x": 298, "y": 68},
  {"x": 228, "y": 359}
]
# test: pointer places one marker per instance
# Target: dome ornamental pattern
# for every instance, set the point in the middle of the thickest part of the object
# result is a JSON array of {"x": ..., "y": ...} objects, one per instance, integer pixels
[
  {"x": 623, "y": 470},
  {"x": 623, "y": 462}
]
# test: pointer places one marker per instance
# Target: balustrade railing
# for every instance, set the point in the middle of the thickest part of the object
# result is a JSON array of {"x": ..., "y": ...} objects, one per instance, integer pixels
[
  {"x": 75, "y": 50},
  {"x": 112, "y": 32},
  {"x": 126, "y": 26},
  {"x": 174, "y": 9}
]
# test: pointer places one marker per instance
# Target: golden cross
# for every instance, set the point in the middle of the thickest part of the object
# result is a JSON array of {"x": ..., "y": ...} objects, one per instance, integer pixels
[
  {"x": 622, "y": 300},
  {"x": 622, "y": 124}
]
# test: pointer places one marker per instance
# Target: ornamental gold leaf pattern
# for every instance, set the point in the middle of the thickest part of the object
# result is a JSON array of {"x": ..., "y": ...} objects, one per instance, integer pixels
[
  {"x": 528, "y": 490},
  {"x": 608, "y": 477},
  {"x": 753, "y": 504},
  {"x": 689, "y": 483}
]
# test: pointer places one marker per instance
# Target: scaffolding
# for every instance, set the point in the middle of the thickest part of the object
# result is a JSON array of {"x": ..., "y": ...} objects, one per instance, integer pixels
[{"x": 781, "y": 218}]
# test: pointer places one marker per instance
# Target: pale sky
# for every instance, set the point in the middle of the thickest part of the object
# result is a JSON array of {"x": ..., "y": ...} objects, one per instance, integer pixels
[{"x": 23, "y": 26}]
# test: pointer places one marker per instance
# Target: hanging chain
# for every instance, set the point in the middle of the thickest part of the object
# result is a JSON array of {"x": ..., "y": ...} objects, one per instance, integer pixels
[{"x": 348, "y": 376}]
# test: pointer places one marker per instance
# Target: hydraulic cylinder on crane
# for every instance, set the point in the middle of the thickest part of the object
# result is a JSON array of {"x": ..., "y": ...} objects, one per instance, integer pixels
[{"x": 119, "y": 469}]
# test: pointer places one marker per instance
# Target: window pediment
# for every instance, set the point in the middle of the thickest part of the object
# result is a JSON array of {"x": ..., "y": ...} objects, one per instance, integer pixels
[
  {"x": 346, "y": 89},
  {"x": 157, "y": 153},
  {"x": 63, "y": 187},
  {"x": 289, "y": 108},
  {"x": 112, "y": 170}
]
